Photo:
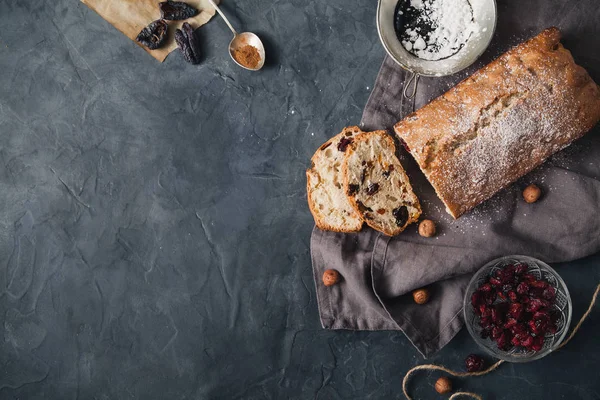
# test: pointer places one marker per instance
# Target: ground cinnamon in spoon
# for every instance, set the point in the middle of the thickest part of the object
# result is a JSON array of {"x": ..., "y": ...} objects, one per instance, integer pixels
[{"x": 247, "y": 55}]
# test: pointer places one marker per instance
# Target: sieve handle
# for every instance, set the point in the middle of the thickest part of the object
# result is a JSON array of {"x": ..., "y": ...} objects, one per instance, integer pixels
[{"x": 414, "y": 80}]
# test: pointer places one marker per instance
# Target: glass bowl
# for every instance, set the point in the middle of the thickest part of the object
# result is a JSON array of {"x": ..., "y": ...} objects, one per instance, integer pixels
[{"x": 562, "y": 305}]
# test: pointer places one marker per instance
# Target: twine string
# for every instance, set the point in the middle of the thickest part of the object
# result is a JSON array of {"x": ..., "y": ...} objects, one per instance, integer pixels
[
  {"x": 433, "y": 367},
  {"x": 473, "y": 395}
]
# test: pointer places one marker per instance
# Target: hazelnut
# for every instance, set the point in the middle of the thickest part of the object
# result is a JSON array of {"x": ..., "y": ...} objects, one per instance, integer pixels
[
  {"x": 532, "y": 193},
  {"x": 427, "y": 228},
  {"x": 331, "y": 277},
  {"x": 421, "y": 296},
  {"x": 443, "y": 385}
]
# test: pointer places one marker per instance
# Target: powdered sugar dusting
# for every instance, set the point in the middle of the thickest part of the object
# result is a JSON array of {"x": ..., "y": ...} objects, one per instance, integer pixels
[{"x": 441, "y": 28}]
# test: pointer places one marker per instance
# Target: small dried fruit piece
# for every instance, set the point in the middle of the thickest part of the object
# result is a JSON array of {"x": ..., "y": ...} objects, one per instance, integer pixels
[
  {"x": 521, "y": 268},
  {"x": 486, "y": 287},
  {"x": 186, "y": 41},
  {"x": 549, "y": 293},
  {"x": 352, "y": 189},
  {"x": 176, "y": 10},
  {"x": 191, "y": 37},
  {"x": 184, "y": 46},
  {"x": 421, "y": 296},
  {"x": 427, "y": 228},
  {"x": 523, "y": 288},
  {"x": 443, "y": 385},
  {"x": 153, "y": 36},
  {"x": 372, "y": 188},
  {"x": 401, "y": 215},
  {"x": 331, "y": 277},
  {"x": 532, "y": 193},
  {"x": 343, "y": 143},
  {"x": 474, "y": 363}
]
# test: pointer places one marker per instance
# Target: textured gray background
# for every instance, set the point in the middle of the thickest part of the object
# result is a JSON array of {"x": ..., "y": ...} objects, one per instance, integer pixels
[{"x": 153, "y": 223}]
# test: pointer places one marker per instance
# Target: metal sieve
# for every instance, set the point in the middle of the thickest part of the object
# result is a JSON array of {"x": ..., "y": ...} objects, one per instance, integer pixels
[{"x": 484, "y": 15}]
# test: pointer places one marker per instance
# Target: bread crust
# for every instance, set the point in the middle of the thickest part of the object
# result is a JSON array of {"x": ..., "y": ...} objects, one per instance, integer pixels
[{"x": 502, "y": 122}]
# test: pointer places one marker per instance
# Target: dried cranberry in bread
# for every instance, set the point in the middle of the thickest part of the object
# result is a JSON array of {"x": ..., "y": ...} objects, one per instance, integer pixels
[
  {"x": 327, "y": 200},
  {"x": 377, "y": 185},
  {"x": 502, "y": 122}
]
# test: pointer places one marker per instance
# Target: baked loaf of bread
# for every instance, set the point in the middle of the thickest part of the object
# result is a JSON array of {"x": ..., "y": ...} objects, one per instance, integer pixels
[
  {"x": 327, "y": 200},
  {"x": 501, "y": 122},
  {"x": 377, "y": 185}
]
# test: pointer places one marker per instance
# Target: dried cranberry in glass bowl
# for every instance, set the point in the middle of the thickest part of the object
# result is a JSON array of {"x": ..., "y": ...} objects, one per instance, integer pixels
[{"x": 517, "y": 308}]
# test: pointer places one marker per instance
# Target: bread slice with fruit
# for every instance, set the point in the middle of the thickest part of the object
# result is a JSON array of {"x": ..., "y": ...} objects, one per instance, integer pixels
[
  {"x": 327, "y": 200},
  {"x": 376, "y": 184}
]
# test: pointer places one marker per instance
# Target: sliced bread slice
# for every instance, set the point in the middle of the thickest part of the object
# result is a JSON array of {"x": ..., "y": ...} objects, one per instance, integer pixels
[
  {"x": 377, "y": 185},
  {"x": 327, "y": 200}
]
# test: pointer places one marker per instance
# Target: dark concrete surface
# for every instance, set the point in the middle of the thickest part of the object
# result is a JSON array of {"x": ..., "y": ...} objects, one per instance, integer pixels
[{"x": 153, "y": 223}]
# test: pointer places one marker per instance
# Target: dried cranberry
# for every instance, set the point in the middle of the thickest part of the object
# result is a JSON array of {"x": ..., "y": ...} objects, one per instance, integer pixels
[
  {"x": 549, "y": 293},
  {"x": 503, "y": 342},
  {"x": 476, "y": 299},
  {"x": 510, "y": 269},
  {"x": 538, "y": 343},
  {"x": 486, "y": 287},
  {"x": 507, "y": 287},
  {"x": 495, "y": 282},
  {"x": 536, "y": 304},
  {"x": 486, "y": 311},
  {"x": 515, "y": 341},
  {"x": 541, "y": 315},
  {"x": 474, "y": 363},
  {"x": 516, "y": 310},
  {"x": 528, "y": 278},
  {"x": 513, "y": 296},
  {"x": 539, "y": 284},
  {"x": 490, "y": 298},
  {"x": 496, "y": 332},
  {"x": 535, "y": 327},
  {"x": 527, "y": 342},
  {"x": 510, "y": 322},
  {"x": 521, "y": 268},
  {"x": 523, "y": 288},
  {"x": 505, "y": 275},
  {"x": 518, "y": 329},
  {"x": 486, "y": 323}
]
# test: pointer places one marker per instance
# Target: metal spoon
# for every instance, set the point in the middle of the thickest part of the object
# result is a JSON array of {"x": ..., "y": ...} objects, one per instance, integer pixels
[{"x": 242, "y": 39}]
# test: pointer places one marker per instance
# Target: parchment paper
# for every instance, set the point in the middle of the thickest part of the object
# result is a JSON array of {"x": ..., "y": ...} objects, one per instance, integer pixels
[{"x": 131, "y": 16}]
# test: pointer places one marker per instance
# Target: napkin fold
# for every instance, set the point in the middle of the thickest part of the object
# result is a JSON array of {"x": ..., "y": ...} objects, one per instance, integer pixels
[
  {"x": 131, "y": 16},
  {"x": 380, "y": 272}
]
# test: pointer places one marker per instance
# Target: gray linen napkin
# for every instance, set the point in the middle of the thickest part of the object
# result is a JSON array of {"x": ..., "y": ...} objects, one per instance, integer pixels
[{"x": 380, "y": 272}]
